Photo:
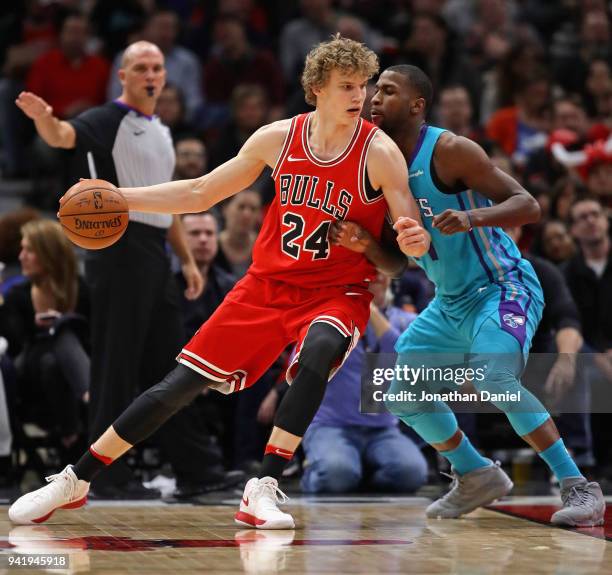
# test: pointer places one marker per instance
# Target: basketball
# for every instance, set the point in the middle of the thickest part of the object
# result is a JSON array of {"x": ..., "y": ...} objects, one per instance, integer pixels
[{"x": 94, "y": 214}]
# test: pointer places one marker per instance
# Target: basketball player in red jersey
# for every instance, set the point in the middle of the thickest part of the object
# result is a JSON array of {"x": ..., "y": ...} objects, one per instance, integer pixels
[{"x": 328, "y": 165}]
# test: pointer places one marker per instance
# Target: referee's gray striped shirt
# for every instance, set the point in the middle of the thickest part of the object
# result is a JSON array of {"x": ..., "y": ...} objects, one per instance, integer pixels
[{"x": 128, "y": 148}]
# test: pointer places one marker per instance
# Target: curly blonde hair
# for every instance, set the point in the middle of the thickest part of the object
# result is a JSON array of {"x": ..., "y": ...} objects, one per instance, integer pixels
[{"x": 339, "y": 53}]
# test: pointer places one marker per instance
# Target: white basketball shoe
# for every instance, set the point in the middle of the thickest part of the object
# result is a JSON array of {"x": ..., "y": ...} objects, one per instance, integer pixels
[
  {"x": 259, "y": 505},
  {"x": 64, "y": 490}
]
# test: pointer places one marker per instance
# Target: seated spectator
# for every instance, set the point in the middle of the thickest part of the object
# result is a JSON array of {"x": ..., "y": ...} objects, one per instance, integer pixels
[
  {"x": 10, "y": 245},
  {"x": 342, "y": 446},
  {"x": 315, "y": 24},
  {"x": 249, "y": 112},
  {"x": 570, "y": 128},
  {"x": 503, "y": 82},
  {"x": 170, "y": 108},
  {"x": 234, "y": 61},
  {"x": 432, "y": 47},
  {"x": 115, "y": 22},
  {"x": 594, "y": 42},
  {"x": 44, "y": 321},
  {"x": 555, "y": 242},
  {"x": 202, "y": 232},
  {"x": 589, "y": 273},
  {"x": 191, "y": 158},
  {"x": 589, "y": 276},
  {"x": 598, "y": 90},
  {"x": 565, "y": 192},
  {"x": 242, "y": 214},
  {"x": 70, "y": 81},
  {"x": 455, "y": 112},
  {"x": 353, "y": 27},
  {"x": 495, "y": 28},
  {"x": 599, "y": 176},
  {"x": 68, "y": 78},
  {"x": 27, "y": 31},
  {"x": 522, "y": 129},
  {"x": 256, "y": 18}
]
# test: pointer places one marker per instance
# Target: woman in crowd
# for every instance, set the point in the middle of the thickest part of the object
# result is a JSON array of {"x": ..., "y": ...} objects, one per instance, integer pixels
[
  {"x": 242, "y": 214},
  {"x": 44, "y": 321}
]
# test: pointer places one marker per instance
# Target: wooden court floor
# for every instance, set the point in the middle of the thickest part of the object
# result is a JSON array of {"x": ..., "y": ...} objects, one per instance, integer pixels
[{"x": 334, "y": 536}]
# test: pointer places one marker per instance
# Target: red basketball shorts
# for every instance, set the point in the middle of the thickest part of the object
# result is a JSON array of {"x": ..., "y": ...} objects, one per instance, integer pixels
[{"x": 259, "y": 318}]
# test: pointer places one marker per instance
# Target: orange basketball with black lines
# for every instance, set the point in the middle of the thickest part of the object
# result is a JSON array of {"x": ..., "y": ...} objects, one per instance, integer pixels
[{"x": 94, "y": 214}]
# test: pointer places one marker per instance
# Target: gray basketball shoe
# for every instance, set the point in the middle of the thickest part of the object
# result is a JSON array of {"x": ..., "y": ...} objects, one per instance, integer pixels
[
  {"x": 474, "y": 489},
  {"x": 583, "y": 504}
]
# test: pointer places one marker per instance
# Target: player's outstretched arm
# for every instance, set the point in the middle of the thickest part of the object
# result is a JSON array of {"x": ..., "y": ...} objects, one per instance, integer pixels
[
  {"x": 387, "y": 170},
  {"x": 200, "y": 194},
  {"x": 460, "y": 160}
]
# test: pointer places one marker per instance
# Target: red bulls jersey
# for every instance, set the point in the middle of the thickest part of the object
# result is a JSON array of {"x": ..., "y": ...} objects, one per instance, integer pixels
[{"x": 293, "y": 244}]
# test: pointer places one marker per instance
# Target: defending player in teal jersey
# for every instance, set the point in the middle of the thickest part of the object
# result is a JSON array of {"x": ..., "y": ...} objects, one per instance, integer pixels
[{"x": 488, "y": 300}]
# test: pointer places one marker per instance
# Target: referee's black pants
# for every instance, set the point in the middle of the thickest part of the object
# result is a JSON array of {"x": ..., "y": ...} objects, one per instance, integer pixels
[{"x": 136, "y": 332}]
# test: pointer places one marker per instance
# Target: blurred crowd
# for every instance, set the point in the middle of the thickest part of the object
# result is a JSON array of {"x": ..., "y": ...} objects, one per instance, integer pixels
[{"x": 528, "y": 80}]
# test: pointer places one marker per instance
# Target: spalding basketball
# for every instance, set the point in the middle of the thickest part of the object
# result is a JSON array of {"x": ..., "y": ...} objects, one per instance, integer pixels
[{"x": 94, "y": 214}]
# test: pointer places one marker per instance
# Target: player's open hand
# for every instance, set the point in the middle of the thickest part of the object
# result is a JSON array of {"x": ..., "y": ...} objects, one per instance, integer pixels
[
  {"x": 33, "y": 106},
  {"x": 452, "y": 222},
  {"x": 350, "y": 235},
  {"x": 412, "y": 238}
]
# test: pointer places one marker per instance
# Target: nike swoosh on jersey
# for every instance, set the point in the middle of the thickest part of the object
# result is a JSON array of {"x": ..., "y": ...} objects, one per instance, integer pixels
[{"x": 290, "y": 158}]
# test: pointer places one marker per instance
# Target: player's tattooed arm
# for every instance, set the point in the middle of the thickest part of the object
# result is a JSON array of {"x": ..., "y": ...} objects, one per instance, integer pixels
[
  {"x": 461, "y": 162},
  {"x": 385, "y": 255}
]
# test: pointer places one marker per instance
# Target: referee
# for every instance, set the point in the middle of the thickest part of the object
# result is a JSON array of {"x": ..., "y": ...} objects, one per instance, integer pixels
[{"x": 136, "y": 323}]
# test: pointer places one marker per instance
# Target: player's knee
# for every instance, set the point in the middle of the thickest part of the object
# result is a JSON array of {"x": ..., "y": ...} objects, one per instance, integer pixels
[
  {"x": 403, "y": 409},
  {"x": 333, "y": 476},
  {"x": 499, "y": 387},
  {"x": 322, "y": 347},
  {"x": 178, "y": 388},
  {"x": 152, "y": 408},
  {"x": 401, "y": 476}
]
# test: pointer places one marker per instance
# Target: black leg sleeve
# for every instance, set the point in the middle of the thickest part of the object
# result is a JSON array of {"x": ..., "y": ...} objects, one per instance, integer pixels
[
  {"x": 322, "y": 348},
  {"x": 152, "y": 408}
]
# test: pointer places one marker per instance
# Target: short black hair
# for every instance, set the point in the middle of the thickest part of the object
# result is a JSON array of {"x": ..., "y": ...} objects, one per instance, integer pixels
[
  {"x": 417, "y": 79},
  {"x": 586, "y": 197}
]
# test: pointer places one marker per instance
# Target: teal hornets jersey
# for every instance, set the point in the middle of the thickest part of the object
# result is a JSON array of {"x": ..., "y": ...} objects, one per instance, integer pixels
[{"x": 463, "y": 264}]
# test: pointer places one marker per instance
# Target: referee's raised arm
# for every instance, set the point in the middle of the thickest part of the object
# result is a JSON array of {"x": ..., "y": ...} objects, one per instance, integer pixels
[{"x": 55, "y": 132}]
